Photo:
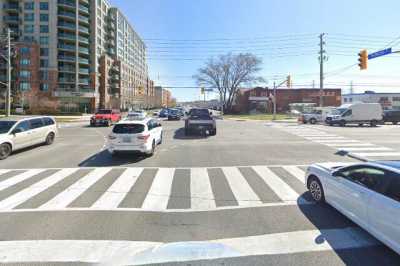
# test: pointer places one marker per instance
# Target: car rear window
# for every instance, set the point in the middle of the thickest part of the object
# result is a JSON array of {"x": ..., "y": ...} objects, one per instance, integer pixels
[
  {"x": 48, "y": 121},
  {"x": 101, "y": 112},
  {"x": 128, "y": 128}
]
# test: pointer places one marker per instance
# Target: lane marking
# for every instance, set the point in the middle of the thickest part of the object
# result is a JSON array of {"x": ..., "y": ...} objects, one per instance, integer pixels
[
  {"x": 3, "y": 171},
  {"x": 337, "y": 141},
  {"x": 63, "y": 199},
  {"x": 200, "y": 187},
  {"x": 241, "y": 189},
  {"x": 19, "y": 178},
  {"x": 146, "y": 252},
  {"x": 29, "y": 192},
  {"x": 160, "y": 191},
  {"x": 349, "y": 144},
  {"x": 118, "y": 190},
  {"x": 283, "y": 190},
  {"x": 365, "y": 149},
  {"x": 296, "y": 172}
]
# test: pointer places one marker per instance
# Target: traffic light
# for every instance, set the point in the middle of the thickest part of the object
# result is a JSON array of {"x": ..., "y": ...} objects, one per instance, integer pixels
[
  {"x": 363, "y": 59},
  {"x": 202, "y": 91},
  {"x": 289, "y": 81}
]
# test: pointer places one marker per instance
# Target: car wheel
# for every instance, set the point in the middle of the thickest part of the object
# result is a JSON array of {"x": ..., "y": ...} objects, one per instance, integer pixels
[
  {"x": 342, "y": 123},
  {"x": 360, "y": 125},
  {"x": 394, "y": 122},
  {"x": 5, "y": 150},
  {"x": 373, "y": 123},
  {"x": 313, "y": 121},
  {"x": 316, "y": 190},
  {"x": 153, "y": 149},
  {"x": 50, "y": 138}
]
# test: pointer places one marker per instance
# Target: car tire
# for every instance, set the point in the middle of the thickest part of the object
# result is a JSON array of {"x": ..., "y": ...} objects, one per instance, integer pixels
[
  {"x": 153, "y": 149},
  {"x": 50, "y": 138},
  {"x": 316, "y": 190},
  {"x": 213, "y": 132},
  {"x": 394, "y": 122},
  {"x": 373, "y": 123},
  {"x": 360, "y": 125},
  {"x": 5, "y": 150},
  {"x": 313, "y": 121},
  {"x": 342, "y": 123}
]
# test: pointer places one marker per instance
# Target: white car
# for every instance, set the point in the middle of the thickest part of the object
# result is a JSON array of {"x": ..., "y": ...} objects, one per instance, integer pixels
[
  {"x": 367, "y": 193},
  {"x": 135, "y": 136},
  {"x": 136, "y": 115},
  {"x": 21, "y": 132}
]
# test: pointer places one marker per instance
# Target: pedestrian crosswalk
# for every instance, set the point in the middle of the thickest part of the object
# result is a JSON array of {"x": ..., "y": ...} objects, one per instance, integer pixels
[
  {"x": 356, "y": 147},
  {"x": 151, "y": 189}
]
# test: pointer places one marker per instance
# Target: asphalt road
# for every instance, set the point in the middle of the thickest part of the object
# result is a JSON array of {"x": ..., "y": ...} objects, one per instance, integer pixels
[{"x": 234, "y": 199}]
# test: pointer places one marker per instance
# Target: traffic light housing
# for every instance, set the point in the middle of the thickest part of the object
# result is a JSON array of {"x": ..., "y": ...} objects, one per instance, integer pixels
[
  {"x": 363, "y": 59},
  {"x": 289, "y": 81},
  {"x": 202, "y": 91}
]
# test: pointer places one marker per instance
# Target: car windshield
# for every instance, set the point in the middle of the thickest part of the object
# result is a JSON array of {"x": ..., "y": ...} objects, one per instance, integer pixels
[
  {"x": 102, "y": 112},
  {"x": 339, "y": 111},
  {"x": 128, "y": 128},
  {"x": 5, "y": 126}
]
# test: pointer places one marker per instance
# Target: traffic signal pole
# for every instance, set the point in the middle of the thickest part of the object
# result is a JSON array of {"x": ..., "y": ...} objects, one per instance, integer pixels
[
  {"x": 288, "y": 81},
  {"x": 321, "y": 68}
]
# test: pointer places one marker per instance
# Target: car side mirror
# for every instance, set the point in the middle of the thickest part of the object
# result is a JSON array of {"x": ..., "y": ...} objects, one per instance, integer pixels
[
  {"x": 210, "y": 113},
  {"x": 158, "y": 124},
  {"x": 15, "y": 131}
]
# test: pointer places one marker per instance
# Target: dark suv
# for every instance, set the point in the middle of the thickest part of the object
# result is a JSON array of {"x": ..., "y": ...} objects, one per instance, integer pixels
[{"x": 392, "y": 116}]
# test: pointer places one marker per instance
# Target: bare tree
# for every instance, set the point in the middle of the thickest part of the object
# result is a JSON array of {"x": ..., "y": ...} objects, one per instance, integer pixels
[{"x": 227, "y": 73}]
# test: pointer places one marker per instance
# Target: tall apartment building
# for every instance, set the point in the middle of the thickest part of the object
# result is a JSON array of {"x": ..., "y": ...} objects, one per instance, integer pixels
[{"x": 73, "y": 38}]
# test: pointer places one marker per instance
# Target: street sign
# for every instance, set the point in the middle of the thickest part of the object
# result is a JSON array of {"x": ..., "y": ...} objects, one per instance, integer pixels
[{"x": 380, "y": 53}]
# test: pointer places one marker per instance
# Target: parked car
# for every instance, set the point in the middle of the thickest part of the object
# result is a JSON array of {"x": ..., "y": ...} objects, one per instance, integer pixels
[
  {"x": 164, "y": 112},
  {"x": 136, "y": 115},
  {"x": 367, "y": 193},
  {"x": 175, "y": 114},
  {"x": 200, "y": 120},
  {"x": 105, "y": 117},
  {"x": 356, "y": 113},
  {"x": 135, "y": 136},
  {"x": 392, "y": 116},
  {"x": 318, "y": 115},
  {"x": 21, "y": 132}
]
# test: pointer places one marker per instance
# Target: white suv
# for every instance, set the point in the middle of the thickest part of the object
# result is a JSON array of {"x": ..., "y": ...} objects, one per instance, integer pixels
[
  {"x": 136, "y": 136},
  {"x": 21, "y": 132}
]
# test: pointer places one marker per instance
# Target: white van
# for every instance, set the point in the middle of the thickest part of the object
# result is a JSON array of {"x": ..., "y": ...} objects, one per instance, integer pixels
[{"x": 356, "y": 113}]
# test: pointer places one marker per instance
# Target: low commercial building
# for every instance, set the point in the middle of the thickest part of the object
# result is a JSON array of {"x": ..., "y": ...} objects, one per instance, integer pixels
[
  {"x": 387, "y": 100},
  {"x": 259, "y": 99}
]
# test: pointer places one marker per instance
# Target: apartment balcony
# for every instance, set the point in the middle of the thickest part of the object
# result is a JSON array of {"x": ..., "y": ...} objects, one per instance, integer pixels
[
  {"x": 84, "y": 19},
  {"x": 67, "y": 15},
  {"x": 11, "y": 8},
  {"x": 84, "y": 71},
  {"x": 83, "y": 30},
  {"x": 111, "y": 51},
  {"x": 65, "y": 69},
  {"x": 83, "y": 9},
  {"x": 83, "y": 61},
  {"x": 114, "y": 78},
  {"x": 66, "y": 36},
  {"x": 66, "y": 58},
  {"x": 66, "y": 47},
  {"x": 69, "y": 4},
  {"x": 83, "y": 50},
  {"x": 84, "y": 82},
  {"x": 11, "y": 19},
  {"x": 66, "y": 26},
  {"x": 86, "y": 2},
  {"x": 83, "y": 40},
  {"x": 66, "y": 80}
]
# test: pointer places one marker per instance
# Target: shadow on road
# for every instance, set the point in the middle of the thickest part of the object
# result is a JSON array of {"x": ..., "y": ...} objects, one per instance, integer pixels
[
  {"x": 325, "y": 217},
  {"x": 105, "y": 159},
  {"x": 180, "y": 134}
]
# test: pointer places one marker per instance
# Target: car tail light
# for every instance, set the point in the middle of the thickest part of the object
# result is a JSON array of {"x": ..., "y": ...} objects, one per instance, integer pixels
[
  {"x": 144, "y": 137},
  {"x": 112, "y": 137}
]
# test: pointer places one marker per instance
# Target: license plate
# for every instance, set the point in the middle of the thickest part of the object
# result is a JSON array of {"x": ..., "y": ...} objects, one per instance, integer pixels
[{"x": 126, "y": 139}]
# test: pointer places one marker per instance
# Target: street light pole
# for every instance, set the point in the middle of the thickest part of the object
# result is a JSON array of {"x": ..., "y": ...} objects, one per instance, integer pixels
[{"x": 8, "y": 104}]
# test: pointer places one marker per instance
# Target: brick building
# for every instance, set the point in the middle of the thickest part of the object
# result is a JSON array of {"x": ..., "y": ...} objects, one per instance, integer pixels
[{"x": 260, "y": 99}]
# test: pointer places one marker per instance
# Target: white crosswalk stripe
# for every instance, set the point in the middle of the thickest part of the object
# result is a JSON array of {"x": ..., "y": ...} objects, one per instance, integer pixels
[
  {"x": 63, "y": 199},
  {"x": 240, "y": 188},
  {"x": 160, "y": 191},
  {"x": 3, "y": 171},
  {"x": 200, "y": 187},
  {"x": 118, "y": 190},
  {"x": 157, "y": 196}
]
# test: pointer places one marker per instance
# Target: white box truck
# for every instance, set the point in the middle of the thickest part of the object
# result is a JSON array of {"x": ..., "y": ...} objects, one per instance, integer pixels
[{"x": 356, "y": 113}]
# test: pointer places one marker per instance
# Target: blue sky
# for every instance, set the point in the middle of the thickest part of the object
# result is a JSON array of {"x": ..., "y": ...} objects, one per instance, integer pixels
[{"x": 182, "y": 34}]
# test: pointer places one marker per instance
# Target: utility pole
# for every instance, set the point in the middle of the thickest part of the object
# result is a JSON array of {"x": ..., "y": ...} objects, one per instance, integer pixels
[
  {"x": 8, "y": 106},
  {"x": 322, "y": 58},
  {"x": 274, "y": 102}
]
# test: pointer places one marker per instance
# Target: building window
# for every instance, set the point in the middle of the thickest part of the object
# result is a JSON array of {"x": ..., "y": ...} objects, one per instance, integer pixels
[
  {"x": 25, "y": 74},
  {"x": 29, "y": 5},
  {"x": 29, "y": 17},
  {"x": 44, "y": 40},
  {"x": 44, "y": 6},
  {"x": 44, "y": 87},
  {"x": 44, "y": 63},
  {"x": 24, "y": 86},
  {"x": 383, "y": 99},
  {"x": 29, "y": 28},
  {"x": 24, "y": 50},
  {"x": 350, "y": 99},
  {"x": 44, "y": 29},
  {"x": 44, "y": 17},
  {"x": 345, "y": 100},
  {"x": 44, "y": 75},
  {"x": 25, "y": 62},
  {"x": 44, "y": 51},
  {"x": 396, "y": 99}
]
